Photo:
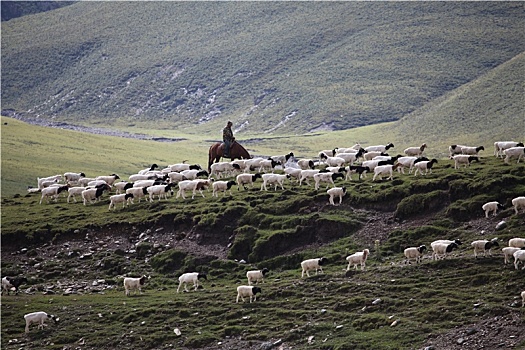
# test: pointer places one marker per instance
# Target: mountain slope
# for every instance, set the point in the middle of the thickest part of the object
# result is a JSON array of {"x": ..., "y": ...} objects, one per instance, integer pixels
[{"x": 276, "y": 67}]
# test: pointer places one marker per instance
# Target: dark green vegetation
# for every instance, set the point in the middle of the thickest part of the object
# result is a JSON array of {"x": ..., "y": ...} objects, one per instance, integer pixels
[
  {"x": 275, "y": 230},
  {"x": 277, "y": 67}
]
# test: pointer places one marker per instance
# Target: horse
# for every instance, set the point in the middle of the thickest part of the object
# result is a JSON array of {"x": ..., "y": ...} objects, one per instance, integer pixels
[{"x": 217, "y": 151}]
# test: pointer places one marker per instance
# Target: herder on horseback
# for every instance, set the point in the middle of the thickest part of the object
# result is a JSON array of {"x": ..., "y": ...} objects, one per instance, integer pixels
[{"x": 227, "y": 138}]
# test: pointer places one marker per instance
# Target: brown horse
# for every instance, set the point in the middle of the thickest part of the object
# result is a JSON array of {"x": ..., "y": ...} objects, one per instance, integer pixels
[{"x": 236, "y": 152}]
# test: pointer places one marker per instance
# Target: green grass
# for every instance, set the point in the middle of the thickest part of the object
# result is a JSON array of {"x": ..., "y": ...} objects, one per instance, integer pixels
[{"x": 272, "y": 67}]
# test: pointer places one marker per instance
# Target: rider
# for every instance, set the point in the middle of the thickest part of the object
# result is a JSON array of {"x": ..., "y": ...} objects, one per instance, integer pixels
[{"x": 227, "y": 137}]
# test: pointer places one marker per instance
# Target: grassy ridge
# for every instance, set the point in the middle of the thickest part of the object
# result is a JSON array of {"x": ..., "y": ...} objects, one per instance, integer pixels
[{"x": 274, "y": 67}]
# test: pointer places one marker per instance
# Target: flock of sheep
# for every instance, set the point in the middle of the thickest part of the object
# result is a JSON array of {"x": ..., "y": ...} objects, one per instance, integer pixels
[{"x": 151, "y": 184}]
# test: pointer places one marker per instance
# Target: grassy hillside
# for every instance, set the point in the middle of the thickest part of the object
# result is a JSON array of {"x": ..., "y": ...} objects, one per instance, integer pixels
[
  {"x": 73, "y": 255},
  {"x": 272, "y": 67}
]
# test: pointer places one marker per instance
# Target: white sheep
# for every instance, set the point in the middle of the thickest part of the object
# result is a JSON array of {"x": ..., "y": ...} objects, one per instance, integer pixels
[
  {"x": 161, "y": 191},
  {"x": 178, "y": 167},
  {"x": 385, "y": 170},
  {"x": 415, "y": 151},
  {"x": 193, "y": 174},
  {"x": 356, "y": 169},
  {"x": 312, "y": 264},
  {"x": 245, "y": 179},
  {"x": 514, "y": 152},
  {"x": 91, "y": 194},
  {"x": 176, "y": 177},
  {"x": 336, "y": 192},
  {"x": 307, "y": 174},
  {"x": 519, "y": 255},
  {"x": 123, "y": 198},
  {"x": 194, "y": 186},
  {"x": 414, "y": 253},
  {"x": 491, "y": 207},
  {"x": 358, "y": 258},
  {"x": 379, "y": 148},
  {"x": 484, "y": 245},
  {"x": 350, "y": 158},
  {"x": 332, "y": 161},
  {"x": 138, "y": 193},
  {"x": 253, "y": 164},
  {"x": 256, "y": 276},
  {"x": 151, "y": 168},
  {"x": 274, "y": 179},
  {"x": 463, "y": 159},
  {"x": 54, "y": 178},
  {"x": 407, "y": 162},
  {"x": 328, "y": 178},
  {"x": 440, "y": 249},
  {"x": 328, "y": 152},
  {"x": 139, "y": 177},
  {"x": 38, "y": 317},
  {"x": 372, "y": 154},
  {"x": 241, "y": 163},
  {"x": 508, "y": 253},
  {"x": 425, "y": 165},
  {"x": 500, "y": 146},
  {"x": 354, "y": 149},
  {"x": 70, "y": 177},
  {"x": 222, "y": 186},
  {"x": 191, "y": 277},
  {"x": 293, "y": 172},
  {"x": 455, "y": 149},
  {"x": 517, "y": 242},
  {"x": 131, "y": 283},
  {"x": 9, "y": 283},
  {"x": 122, "y": 186},
  {"x": 473, "y": 151},
  {"x": 370, "y": 164},
  {"x": 223, "y": 169},
  {"x": 247, "y": 291},
  {"x": 518, "y": 203},
  {"x": 110, "y": 179},
  {"x": 53, "y": 191},
  {"x": 96, "y": 183},
  {"x": 282, "y": 159},
  {"x": 305, "y": 164},
  {"x": 85, "y": 180}
]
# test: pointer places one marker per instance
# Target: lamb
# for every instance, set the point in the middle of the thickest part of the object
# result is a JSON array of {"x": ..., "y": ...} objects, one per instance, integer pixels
[
  {"x": 312, "y": 264},
  {"x": 491, "y": 207},
  {"x": 517, "y": 242},
  {"x": 425, "y": 165},
  {"x": 379, "y": 148},
  {"x": 463, "y": 159},
  {"x": 332, "y": 161},
  {"x": 123, "y": 198},
  {"x": 73, "y": 177},
  {"x": 508, "y": 253},
  {"x": 282, "y": 159},
  {"x": 193, "y": 174},
  {"x": 39, "y": 318},
  {"x": 514, "y": 152},
  {"x": 131, "y": 283},
  {"x": 53, "y": 191},
  {"x": 256, "y": 276},
  {"x": 307, "y": 174},
  {"x": 473, "y": 151},
  {"x": 442, "y": 249},
  {"x": 381, "y": 170},
  {"x": 191, "y": 277},
  {"x": 55, "y": 178},
  {"x": 137, "y": 192},
  {"x": 358, "y": 258},
  {"x": 222, "y": 186},
  {"x": 122, "y": 186},
  {"x": 518, "y": 203},
  {"x": 151, "y": 168},
  {"x": 305, "y": 164},
  {"x": 327, "y": 177},
  {"x": 223, "y": 168},
  {"x": 244, "y": 179},
  {"x": 500, "y": 146},
  {"x": 336, "y": 192},
  {"x": 110, "y": 179},
  {"x": 356, "y": 169},
  {"x": 183, "y": 166},
  {"x": 8, "y": 283},
  {"x": 484, "y": 246},
  {"x": 247, "y": 291},
  {"x": 519, "y": 255},
  {"x": 160, "y": 190},
  {"x": 91, "y": 194},
  {"x": 414, "y": 253},
  {"x": 275, "y": 179},
  {"x": 415, "y": 151}
]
